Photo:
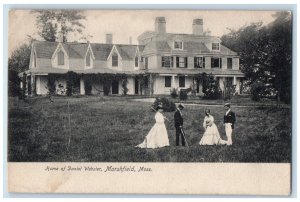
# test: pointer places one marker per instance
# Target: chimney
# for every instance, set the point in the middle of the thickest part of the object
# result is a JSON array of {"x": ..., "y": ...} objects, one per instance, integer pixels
[
  {"x": 109, "y": 38},
  {"x": 160, "y": 25},
  {"x": 198, "y": 26}
]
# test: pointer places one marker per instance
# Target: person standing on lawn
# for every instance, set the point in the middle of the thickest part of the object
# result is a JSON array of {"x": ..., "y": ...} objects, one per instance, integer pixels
[
  {"x": 211, "y": 135},
  {"x": 229, "y": 121},
  {"x": 158, "y": 135},
  {"x": 178, "y": 119}
]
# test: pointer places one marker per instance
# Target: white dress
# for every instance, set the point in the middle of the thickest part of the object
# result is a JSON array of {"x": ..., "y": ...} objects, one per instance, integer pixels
[
  {"x": 157, "y": 136},
  {"x": 211, "y": 135}
]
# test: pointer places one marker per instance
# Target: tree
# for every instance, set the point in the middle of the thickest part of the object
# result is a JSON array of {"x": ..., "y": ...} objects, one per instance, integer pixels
[
  {"x": 48, "y": 22},
  {"x": 266, "y": 54},
  {"x": 210, "y": 87}
]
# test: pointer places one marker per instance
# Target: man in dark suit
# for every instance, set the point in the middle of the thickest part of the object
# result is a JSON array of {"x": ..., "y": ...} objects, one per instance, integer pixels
[
  {"x": 229, "y": 121},
  {"x": 179, "y": 124}
]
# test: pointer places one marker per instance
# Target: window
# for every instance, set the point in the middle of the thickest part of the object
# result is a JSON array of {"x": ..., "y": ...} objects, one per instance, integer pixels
[
  {"x": 136, "y": 62},
  {"x": 146, "y": 63},
  {"x": 203, "y": 62},
  {"x": 167, "y": 61},
  {"x": 198, "y": 62},
  {"x": 168, "y": 81},
  {"x": 229, "y": 63},
  {"x": 216, "y": 63},
  {"x": 60, "y": 58},
  {"x": 88, "y": 59},
  {"x": 114, "y": 59},
  {"x": 181, "y": 62},
  {"x": 182, "y": 81},
  {"x": 177, "y": 44},
  {"x": 215, "y": 46}
]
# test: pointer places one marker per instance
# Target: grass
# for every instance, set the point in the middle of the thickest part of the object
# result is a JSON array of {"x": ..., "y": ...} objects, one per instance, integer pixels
[{"x": 107, "y": 129}]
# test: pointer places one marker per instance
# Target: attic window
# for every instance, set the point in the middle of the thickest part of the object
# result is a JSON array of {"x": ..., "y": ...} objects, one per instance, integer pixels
[
  {"x": 178, "y": 45},
  {"x": 215, "y": 46},
  {"x": 88, "y": 59},
  {"x": 136, "y": 61},
  {"x": 60, "y": 58},
  {"x": 114, "y": 60}
]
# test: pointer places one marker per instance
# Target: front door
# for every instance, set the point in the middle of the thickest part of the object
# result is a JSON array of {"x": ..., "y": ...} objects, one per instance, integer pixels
[
  {"x": 136, "y": 86},
  {"x": 115, "y": 87}
]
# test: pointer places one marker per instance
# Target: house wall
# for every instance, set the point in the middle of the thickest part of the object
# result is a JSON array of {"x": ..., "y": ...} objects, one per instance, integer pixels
[
  {"x": 235, "y": 63},
  {"x": 159, "y": 86},
  {"x": 42, "y": 62},
  {"x": 154, "y": 62},
  {"x": 128, "y": 65},
  {"x": 224, "y": 63},
  {"x": 98, "y": 64},
  {"x": 207, "y": 62}
]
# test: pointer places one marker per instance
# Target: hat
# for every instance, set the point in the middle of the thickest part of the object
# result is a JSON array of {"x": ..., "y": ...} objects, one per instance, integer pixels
[
  {"x": 227, "y": 105},
  {"x": 181, "y": 105}
]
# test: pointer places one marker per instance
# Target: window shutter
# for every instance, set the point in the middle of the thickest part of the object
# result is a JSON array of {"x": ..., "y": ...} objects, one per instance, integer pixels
[
  {"x": 203, "y": 64},
  {"x": 185, "y": 62},
  {"x": 220, "y": 63},
  {"x": 195, "y": 62},
  {"x": 177, "y": 61},
  {"x": 172, "y": 61}
]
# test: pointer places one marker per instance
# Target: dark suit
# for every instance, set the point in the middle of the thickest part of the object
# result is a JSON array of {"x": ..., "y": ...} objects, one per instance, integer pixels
[
  {"x": 230, "y": 118},
  {"x": 178, "y": 120}
]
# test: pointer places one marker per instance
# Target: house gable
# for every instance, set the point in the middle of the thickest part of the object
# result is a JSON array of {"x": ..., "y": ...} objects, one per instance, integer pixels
[
  {"x": 60, "y": 58},
  {"x": 112, "y": 55},
  {"x": 89, "y": 58}
]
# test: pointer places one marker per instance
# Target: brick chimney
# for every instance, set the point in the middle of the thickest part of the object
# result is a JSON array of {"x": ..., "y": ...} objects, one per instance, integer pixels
[
  {"x": 198, "y": 26},
  {"x": 109, "y": 38},
  {"x": 160, "y": 25}
]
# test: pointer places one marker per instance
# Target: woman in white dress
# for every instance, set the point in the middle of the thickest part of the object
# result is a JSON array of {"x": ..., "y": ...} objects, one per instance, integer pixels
[
  {"x": 157, "y": 136},
  {"x": 211, "y": 135}
]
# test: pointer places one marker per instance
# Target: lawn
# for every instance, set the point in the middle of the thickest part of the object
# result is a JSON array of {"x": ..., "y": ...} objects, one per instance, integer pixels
[{"x": 107, "y": 129}]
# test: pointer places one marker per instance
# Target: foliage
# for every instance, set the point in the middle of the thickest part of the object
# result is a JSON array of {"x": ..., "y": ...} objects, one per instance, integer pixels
[
  {"x": 211, "y": 87},
  {"x": 174, "y": 92},
  {"x": 266, "y": 53},
  {"x": 72, "y": 82},
  {"x": 20, "y": 58},
  {"x": 87, "y": 85},
  {"x": 168, "y": 106},
  {"x": 24, "y": 86},
  {"x": 124, "y": 83},
  {"x": 183, "y": 94},
  {"x": 13, "y": 84},
  {"x": 143, "y": 81},
  {"x": 229, "y": 91},
  {"x": 258, "y": 90},
  {"x": 48, "y": 21},
  {"x": 51, "y": 84}
]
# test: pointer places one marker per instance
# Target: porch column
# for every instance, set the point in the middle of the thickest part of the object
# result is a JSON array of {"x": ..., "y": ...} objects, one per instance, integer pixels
[
  {"x": 173, "y": 82},
  {"x": 82, "y": 91},
  {"x": 234, "y": 80}
]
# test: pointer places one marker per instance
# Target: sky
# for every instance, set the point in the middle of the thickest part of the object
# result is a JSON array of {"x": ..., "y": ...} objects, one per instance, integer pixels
[{"x": 124, "y": 24}]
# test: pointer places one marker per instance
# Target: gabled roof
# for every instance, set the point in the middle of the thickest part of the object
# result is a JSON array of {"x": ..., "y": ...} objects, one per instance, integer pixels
[
  {"x": 101, "y": 51},
  {"x": 157, "y": 46},
  {"x": 127, "y": 52},
  {"x": 44, "y": 49},
  {"x": 194, "y": 47}
]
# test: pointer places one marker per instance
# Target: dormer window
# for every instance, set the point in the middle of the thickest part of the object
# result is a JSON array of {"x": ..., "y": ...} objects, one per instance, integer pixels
[
  {"x": 178, "y": 45},
  {"x": 114, "y": 60},
  {"x": 215, "y": 46},
  {"x": 88, "y": 59},
  {"x": 60, "y": 58},
  {"x": 136, "y": 61}
]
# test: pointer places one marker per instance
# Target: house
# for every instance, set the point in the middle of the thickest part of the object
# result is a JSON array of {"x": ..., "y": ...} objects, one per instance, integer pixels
[{"x": 160, "y": 62}]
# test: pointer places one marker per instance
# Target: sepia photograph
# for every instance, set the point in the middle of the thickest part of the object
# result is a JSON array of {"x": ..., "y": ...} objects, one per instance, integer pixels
[{"x": 150, "y": 86}]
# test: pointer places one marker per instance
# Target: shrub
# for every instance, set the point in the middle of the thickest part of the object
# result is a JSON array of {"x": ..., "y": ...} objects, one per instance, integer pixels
[
  {"x": 174, "y": 93},
  {"x": 168, "y": 105},
  {"x": 87, "y": 86},
  {"x": 51, "y": 84},
  {"x": 72, "y": 80},
  {"x": 258, "y": 90},
  {"x": 13, "y": 84},
  {"x": 183, "y": 95},
  {"x": 211, "y": 88}
]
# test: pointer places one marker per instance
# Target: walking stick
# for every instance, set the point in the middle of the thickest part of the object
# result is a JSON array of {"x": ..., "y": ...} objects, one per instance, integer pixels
[
  {"x": 183, "y": 134},
  {"x": 69, "y": 117}
]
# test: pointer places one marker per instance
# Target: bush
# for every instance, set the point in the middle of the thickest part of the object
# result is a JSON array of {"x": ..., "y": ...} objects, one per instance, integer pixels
[
  {"x": 183, "y": 95},
  {"x": 211, "y": 88},
  {"x": 168, "y": 105},
  {"x": 174, "y": 93},
  {"x": 72, "y": 80},
  {"x": 258, "y": 90},
  {"x": 87, "y": 86},
  {"x": 13, "y": 84},
  {"x": 124, "y": 86}
]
